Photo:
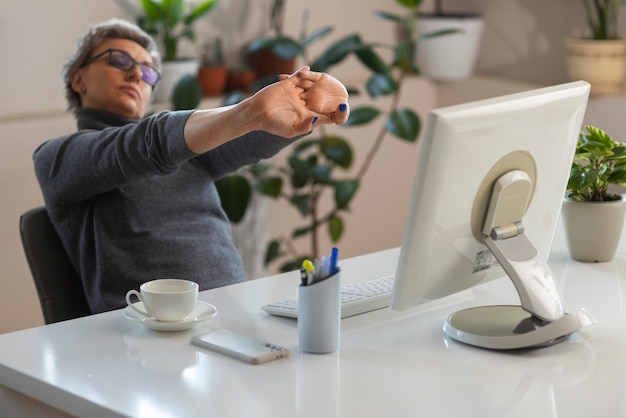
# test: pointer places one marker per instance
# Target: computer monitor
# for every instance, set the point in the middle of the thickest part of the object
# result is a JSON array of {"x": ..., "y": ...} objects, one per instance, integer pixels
[{"x": 486, "y": 201}]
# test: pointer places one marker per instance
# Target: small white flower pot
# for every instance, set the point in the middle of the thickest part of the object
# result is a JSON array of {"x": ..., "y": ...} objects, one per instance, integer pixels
[{"x": 593, "y": 229}]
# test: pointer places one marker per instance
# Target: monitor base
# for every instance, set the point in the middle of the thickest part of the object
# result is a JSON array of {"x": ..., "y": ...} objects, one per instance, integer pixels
[{"x": 508, "y": 327}]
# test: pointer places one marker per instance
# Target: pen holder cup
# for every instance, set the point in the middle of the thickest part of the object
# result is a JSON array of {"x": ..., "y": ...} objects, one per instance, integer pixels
[{"x": 319, "y": 315}]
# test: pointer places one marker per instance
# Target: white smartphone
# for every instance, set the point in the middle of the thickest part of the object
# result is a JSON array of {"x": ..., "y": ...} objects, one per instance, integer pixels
[{"x": 240, "y": 346}]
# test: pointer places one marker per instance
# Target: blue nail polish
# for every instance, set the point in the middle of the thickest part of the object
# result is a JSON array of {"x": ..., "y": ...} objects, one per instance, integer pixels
[
  {"x": 314, "y": 120},
  {"x": 299, "y": 74},
  {"x": 278, "y": 77},
  {"x": 343, "y": 107}
]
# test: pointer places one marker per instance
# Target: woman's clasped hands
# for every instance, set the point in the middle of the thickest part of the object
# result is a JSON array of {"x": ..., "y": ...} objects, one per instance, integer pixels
[{"x": 302, "y": 100}]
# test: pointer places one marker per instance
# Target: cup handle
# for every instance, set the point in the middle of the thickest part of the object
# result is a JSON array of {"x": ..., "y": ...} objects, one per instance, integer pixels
[{"x": 131, "y": 305}]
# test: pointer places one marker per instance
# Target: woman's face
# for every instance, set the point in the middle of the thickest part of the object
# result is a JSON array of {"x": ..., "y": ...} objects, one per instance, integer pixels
[{"x": 103, "y": 86}]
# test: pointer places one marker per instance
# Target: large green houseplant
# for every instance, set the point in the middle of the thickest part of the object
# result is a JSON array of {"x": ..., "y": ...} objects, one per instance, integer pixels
[
  {"x": 318, "y": 165},
  {"x": 599, "y": 55},
  {"x": 170, "y": 22},
  {"x": 594, "y": 215}
]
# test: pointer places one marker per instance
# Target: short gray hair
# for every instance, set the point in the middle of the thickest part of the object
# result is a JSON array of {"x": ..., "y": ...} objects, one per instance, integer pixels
[{"x": 95, "y": 36}]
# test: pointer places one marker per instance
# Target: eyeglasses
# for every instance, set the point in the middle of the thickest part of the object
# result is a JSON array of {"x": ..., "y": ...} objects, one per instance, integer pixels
[{"x": 123, "y": 61}]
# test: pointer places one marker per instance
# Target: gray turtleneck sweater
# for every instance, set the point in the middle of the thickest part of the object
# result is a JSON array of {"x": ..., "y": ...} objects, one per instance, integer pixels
[{"x": 132, "y": 203}]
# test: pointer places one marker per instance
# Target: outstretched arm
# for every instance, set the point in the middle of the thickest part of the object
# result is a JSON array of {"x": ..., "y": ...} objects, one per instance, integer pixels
[{"x": 287, "y": 108}]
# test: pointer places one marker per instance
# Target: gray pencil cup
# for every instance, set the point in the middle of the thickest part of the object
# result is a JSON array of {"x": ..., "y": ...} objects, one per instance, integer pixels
[{"x": 319, "y": 315}]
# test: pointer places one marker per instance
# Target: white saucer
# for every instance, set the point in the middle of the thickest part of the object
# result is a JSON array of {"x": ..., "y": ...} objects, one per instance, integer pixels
[{"x": 201, "y": 313}]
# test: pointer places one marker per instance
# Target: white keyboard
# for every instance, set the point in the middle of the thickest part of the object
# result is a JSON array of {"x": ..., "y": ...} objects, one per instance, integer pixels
[{"x": 356, "y": 298}]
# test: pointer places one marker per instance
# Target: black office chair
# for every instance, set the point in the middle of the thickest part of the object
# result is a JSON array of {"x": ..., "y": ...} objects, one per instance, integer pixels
[{"x": 59, "y": 287}]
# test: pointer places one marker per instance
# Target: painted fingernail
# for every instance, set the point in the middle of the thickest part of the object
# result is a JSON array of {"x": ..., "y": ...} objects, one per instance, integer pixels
[
  {"x": 278, "y": 77},
  {"x": 343, "y": 107},
  {"x": 314, "y": 120},
  {"x": 299, "y": 73}
]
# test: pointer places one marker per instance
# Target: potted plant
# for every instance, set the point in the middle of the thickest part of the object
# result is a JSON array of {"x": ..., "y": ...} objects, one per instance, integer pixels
[
  {"x": 277, "y": 54},
  {"x": 274, "y": 54},
  {"x": 451, "y": 57},
  {"x": 593, "y": 215},
  {"x": 599, "y": 56},
  {"x": 171, "y": 21},
  {"x": 240, "y": 79},
  {"x": 316, "y": 170},
  {"x": 213, "y": 71}
]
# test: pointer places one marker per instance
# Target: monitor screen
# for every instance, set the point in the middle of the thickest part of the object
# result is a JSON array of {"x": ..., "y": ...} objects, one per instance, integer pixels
[{"x": 465, "y": 149}]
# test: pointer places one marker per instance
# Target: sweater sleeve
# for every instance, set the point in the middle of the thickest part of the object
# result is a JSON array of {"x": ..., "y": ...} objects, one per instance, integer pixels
[
  {"x": 81, "y": 165},
  {"x": 248, "y": 149}
]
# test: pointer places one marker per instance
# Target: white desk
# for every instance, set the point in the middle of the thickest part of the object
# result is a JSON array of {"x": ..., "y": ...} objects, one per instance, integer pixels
[{"x": 390, "y": 364}]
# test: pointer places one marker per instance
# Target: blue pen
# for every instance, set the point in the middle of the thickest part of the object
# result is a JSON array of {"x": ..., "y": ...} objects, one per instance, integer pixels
[{"x": 334, "y": 257}]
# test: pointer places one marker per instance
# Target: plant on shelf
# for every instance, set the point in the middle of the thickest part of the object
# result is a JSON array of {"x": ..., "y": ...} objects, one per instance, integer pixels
[
  {"x": 452, "y": 57},
  {"x": 599, "y": 56},
  {"x": 213, "y": 72},
  {"x": 318, "y": 164},
  {"x": 276, "y": 54},
  {"x": 601, "y": 16},
  {"x": 593, "y": 215},
  {"x": 171, "y": 21}
]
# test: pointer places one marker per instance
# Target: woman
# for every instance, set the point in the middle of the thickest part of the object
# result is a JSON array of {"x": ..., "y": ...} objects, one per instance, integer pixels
[{"x": 134, "y": 199}]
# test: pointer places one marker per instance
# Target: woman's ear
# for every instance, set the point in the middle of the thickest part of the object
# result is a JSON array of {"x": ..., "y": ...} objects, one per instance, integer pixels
[{"x": 77, "y": 82}]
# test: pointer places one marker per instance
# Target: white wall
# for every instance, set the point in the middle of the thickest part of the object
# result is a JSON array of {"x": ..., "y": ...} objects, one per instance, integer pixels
[{"x": 523, "y": 40}]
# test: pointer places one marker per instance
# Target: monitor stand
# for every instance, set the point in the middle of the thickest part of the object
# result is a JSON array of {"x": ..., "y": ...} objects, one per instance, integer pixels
[{"x": 541, "y": 319}]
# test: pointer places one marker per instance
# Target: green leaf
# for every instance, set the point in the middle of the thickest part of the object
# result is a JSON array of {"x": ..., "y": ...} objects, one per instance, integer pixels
[
  {"x": 284, "y": 47},
  {"x": 362, "y": 115},
  {"x": 299, "y": 171},
  {"x": 298, "y": 232},
  {"x": 187, "y": 93},
  {"x": 273, "y": 251},
  {"x": 372, "y": 60},
  {"x": 404, "y": 56},
  {"x": 200, "y": 10},
  {"x": 304, "y": 145},
  {"x": 335, "y": 228},
  {"x": 318, "y": 34},
  {"x": 405, "y": 124},
  {"x": 337, "y": 150},
  {"x": 344, "y": 192},
  {"x": 436, "y": 34},
  {"x": 321, "y": 174},
  {"x": 336, "y": 53},
  {"x": 270, "y": 186},
  {"x": 153, "y": 9},
  {"x": 404, "y": 21},
  {"x": 381, "y": 85},
  {"x": 413, "y": 4},
  {"x": 301, "y": 202},
  {"x": 235, "y": 193},
  {"x": 259, "y": 169}
]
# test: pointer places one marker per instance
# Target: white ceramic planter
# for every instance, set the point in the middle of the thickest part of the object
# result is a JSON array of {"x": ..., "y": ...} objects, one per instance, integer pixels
[
  {"x": 171, "y": 73},
  {"x": 601, "y": 63},
  {"x": 449, "y": 57},
  {"x": 593, "y": 229}
]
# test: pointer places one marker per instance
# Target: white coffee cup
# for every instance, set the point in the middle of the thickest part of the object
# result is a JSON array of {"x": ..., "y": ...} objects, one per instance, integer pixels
[{"x": 167, "y": 300}]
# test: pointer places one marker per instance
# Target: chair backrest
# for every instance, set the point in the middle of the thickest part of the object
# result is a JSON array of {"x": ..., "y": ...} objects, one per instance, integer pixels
[{"x": 59, "y": 287}]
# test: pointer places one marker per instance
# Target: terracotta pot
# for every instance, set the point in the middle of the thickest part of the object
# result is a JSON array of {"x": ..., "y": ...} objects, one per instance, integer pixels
[
  {"x": 593, "y": 229},
  {"x": 267, "y": 64},
  {"x": 212, "y": 80},
  {"x": 601, "y": 63},
  {"x": 240, "y": 80}
]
